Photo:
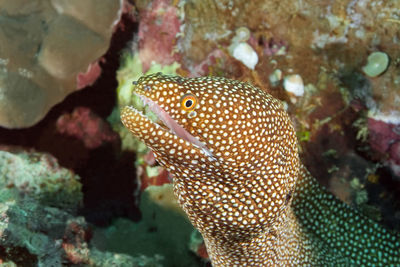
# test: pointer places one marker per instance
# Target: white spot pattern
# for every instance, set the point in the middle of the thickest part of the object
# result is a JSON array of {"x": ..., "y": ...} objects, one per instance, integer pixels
[{"x": 240, "y": 198}]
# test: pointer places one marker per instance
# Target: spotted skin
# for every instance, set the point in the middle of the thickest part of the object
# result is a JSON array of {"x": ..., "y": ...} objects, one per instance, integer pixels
[{"x": 241, "y": 183}]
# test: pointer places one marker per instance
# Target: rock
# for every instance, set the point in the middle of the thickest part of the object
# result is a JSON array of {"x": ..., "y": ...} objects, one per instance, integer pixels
[
  {"x": 39, "y": 225},
  {"x": 384, "y": 138},
  {"x": 38, "y": 177},
  {"x": 162, "y": 233}
]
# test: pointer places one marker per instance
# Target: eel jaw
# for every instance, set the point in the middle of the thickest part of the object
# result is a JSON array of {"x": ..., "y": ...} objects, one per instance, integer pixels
[{"x": 167, "y": 123}]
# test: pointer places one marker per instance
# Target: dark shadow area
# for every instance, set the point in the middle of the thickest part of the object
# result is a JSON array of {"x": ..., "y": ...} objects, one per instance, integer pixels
[{"x": 19, "y": 256}]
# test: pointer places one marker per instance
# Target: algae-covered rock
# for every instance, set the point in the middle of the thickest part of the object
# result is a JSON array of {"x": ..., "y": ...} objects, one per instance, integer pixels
[
  {"x": 37, "y": 198},
  {"x": 38, "y": 177},
  {"x": 131, "y": 70},
  {"x": 37, "y": 230},
  {"x": 39, "y": 225}
]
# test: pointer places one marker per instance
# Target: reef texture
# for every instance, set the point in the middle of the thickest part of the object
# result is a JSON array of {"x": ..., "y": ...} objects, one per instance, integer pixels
[
  {"x": 38, "y": 216},
  {"x": 334, "y": 64},
  {"x": 38, "y": 197},
  {"x": 48, "y": 50}
]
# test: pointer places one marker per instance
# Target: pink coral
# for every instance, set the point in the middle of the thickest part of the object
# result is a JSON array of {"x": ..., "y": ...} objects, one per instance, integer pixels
[
  {"x": 83, "y": 124},
  {"x": 158, "y": 31},
  {"x": 203, "y": 68},
  {"x": 382, "y": 135},
  {"x": 89, "y": 77},
  {"x": 385, "y": 139}
]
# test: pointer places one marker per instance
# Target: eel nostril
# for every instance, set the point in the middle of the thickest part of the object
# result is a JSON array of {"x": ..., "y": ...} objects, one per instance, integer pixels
[{"x": 288, "y": 197}]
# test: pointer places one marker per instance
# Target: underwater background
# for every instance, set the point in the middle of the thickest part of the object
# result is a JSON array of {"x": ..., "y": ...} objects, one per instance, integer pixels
[{"x": 77, "y": 189}]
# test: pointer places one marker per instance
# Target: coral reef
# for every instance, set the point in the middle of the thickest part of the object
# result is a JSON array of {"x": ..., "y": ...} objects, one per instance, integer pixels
[
  {"x": 37, "y": 198},
  {"x": 334, "y": 64},
  {"x": 38, "y": 216},
  {"x": 39, "y": 177}
]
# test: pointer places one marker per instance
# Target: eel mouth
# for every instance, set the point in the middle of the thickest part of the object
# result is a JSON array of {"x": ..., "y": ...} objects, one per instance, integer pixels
[{"x": 160, "y": 117}]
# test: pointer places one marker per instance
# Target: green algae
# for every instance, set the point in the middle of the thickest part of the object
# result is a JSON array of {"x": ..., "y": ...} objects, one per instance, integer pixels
[{"x": 132, "y": 70}]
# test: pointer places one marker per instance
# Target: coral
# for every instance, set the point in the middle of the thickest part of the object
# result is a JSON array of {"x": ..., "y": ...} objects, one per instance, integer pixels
[
  {"x": 153, "y": 176},
  {"x": 158, "y": 32},
  {"x": 105, "y": 259},
  {"x": 241, "y": 50},
  {"x": 197, "y": 245},
  {"x": 131, "y": 70},
  {"x": 38, "y": 176},
  {"x": 83, "y": 124},
  {"x": 35, "y": 228},
  {"x": 384, "y": 138},
  {"x": 78, "y": 251},
  {"x": 163, "y": 196},
  {"x": 275, "y": 77},
  {"x": 44, "y": 56},
  {"x": 38, "y": 216},
  {"x": 245, "y": 54},
  {"x": 37, "y": 198},
  {"x": 89, "y": 77}
]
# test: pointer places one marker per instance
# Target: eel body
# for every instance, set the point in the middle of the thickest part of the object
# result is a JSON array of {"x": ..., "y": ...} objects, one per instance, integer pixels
[{"x": 232, "y": 151}]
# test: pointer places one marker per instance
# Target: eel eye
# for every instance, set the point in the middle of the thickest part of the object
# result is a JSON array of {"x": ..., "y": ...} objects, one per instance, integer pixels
[{"x": 188, "y": 102}]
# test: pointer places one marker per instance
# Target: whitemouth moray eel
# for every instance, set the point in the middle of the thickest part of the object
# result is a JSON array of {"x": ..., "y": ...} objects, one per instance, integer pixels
[{"x": 232, "y": 151}]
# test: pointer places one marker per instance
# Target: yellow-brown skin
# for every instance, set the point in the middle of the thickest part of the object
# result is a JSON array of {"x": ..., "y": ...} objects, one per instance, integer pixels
[{"x": 237, "y": 187}]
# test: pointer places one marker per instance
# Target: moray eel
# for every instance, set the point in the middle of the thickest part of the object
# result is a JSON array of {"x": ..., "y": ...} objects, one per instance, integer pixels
[{"x": 232, "y": 151}]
